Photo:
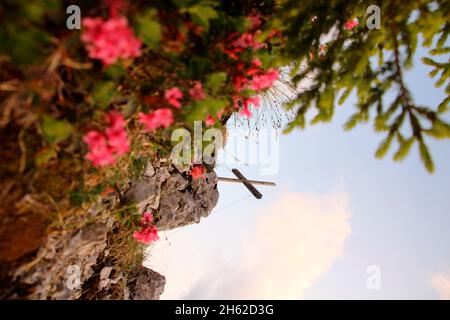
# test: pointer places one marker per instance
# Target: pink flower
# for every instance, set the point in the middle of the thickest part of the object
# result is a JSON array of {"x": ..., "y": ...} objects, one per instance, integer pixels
[
  {"x": 256, "y": 62},
  {"x": 198, "y": 172},
  {"x": 240, "y": 82},
  {"x": 232, "y": 53},
  {"x": 116, "y": 120},
  {"x": 209, "y": 121},
  {"x": 147, "y": 217},
  {"x": 103, "y": 148},
  {"x": 350, "y": 24},
  {"x": 253, "y": 101},
  {"x": 159, "y": 118},
  {"x": 245, "y": 112},
  {"x": 101, "y": 158},
  {"x": 255, "y": 21},
  {"x": 146, "y": 236},
  {"x": 116, "y": 134},
  {"x": 274, "y": 33},
  {"x": 109, "y": 40},
  {"x": 147, "y": 233},
  {"x": 197, "y": 92},
  {"x": 99, "y": 153},
  {"x": 118, "y": 140},
  {"x": 273, "y": 74},
  {"x": 173, "y": 96},
  {"x": 246, "y": 102},
  {"x": 94, "y": 139},
  {"x": 264, "y": 81},
  {"x": 246, "y": 40},
  {"x": 255, "y": 67}
]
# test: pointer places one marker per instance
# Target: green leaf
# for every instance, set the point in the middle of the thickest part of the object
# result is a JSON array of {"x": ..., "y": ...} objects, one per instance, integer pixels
[
  {"x": 182, "y": 3},
  {"x": 345, "y": 95},
  {"x": 214, "y": 105},
  {"x": 429, "y": 61},
  {"x": 202, "y": 14},
  {"x": 352, "y": 122},
  {"x": 103, "y": 93},
  {"x": 439, "y": 130},
  {"x": 443, "y": 106},
  {"x": 115, "y": 71},
  {"x": 404, "y": 149},
  {"x": 384, "y": 146},
  {"x": 439, "y": 51},
  {"x": 54, "y": 130},
  {"x": 216, "y": 80},
  {"x": 24, "y": 45},
  {"x": 426, "y": 157},
  {"x": 240, "y": 23},
  {"x": 149, "y": 29},
  {"x": 201, "y": 108},
  {"x": 327, "y": 99},
  {"x": 45, "y": 155}
]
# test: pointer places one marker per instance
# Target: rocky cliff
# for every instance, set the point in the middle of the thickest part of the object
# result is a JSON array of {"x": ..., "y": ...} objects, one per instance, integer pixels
[{"x": 81, "y": 264}]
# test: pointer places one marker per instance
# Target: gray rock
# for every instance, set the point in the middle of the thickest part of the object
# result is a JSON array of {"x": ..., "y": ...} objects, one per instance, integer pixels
[
  {"x": 146, "y": 284},
  {"x": 176, "y": 199},
  {"x": 76, "y": 265}
]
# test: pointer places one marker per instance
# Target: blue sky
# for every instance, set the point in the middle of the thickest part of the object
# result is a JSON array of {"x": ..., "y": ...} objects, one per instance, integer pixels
[{"x": 392, "y": 215}]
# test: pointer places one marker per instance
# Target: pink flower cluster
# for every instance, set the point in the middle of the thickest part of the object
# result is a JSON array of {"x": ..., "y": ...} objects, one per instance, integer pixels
[
  {"x": 160, "y": 118},
  {"x": 255, "y": 78},
  {"x": 148, "y": 233},
  {"x": 163, "y": 117},
  {"x": 237, "y": 43},
  {"x": 246, "y": 102},
  {"x": 175, "y": 95},
  {"x": 246, "y": 40},
  {"x": 264, "y": 80},
  {"x": 104, "y": 148},
  {"x": 109, "y": 40},
  {"x": 251, "y": 75}
]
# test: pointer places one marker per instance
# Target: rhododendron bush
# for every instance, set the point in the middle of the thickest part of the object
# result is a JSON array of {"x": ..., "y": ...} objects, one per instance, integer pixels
[
  {"x": 82, "y": 110},
  {"x": 92, "y": 106}
]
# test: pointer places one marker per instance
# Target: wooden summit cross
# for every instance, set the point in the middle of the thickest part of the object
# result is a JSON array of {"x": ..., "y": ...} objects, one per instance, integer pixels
[{"x": 249, "y": 184}]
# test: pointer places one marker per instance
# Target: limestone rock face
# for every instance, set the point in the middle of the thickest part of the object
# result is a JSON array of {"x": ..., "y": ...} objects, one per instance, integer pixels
[
  {"x": 65, "y": 261},
  {"x": 146, "y": 285},
  {"x": 78, "y": 264},
  {"x": 176, "y": 199}
]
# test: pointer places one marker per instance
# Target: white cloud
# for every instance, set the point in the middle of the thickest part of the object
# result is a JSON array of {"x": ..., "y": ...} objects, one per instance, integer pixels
[
  {"x": 441, "y": 283},
  {"x": 293, "y": 243}
]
